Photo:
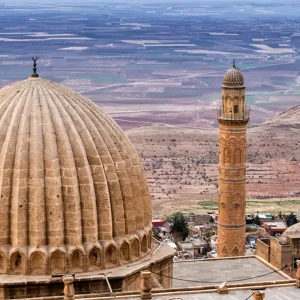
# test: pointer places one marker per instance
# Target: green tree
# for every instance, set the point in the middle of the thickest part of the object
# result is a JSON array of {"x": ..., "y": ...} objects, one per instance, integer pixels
[
  {"x": 179, "y": 228},
  {"x": 291, "y": 219}
]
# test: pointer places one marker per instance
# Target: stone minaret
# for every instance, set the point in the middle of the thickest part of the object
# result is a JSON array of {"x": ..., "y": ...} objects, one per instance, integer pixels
[{"x": 233, "y": 117}]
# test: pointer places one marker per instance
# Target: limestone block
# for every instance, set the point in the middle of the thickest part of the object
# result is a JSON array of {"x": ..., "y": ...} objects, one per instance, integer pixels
[
  {"x": 222, "y": 288},
  {"x": 146, "y": 285},
  {"x": 69, "y": 291},
  {"x": 258, "y": 295}
]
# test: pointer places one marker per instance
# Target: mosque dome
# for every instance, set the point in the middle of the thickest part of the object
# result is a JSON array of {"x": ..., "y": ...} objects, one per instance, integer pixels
[
  {"x": 233, "y": 78},
  {"x": 74, "y": 196}
]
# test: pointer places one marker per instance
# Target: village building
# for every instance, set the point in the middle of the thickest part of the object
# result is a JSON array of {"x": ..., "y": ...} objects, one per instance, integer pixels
[
  {"x": 283, "y": 251},
  {"x": 264, "y": 217},
  {"x": 194, "y": 246},
  {"x": 274, "y": 228}
]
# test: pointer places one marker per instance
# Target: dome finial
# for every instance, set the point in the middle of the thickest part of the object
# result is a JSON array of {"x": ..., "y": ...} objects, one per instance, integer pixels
[
  {"x": 34, "y": 74},
  {"x": 233, "y": 65}
]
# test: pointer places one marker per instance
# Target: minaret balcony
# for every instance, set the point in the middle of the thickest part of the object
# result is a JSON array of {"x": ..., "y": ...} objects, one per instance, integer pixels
[{"x": 240, "y": 116}]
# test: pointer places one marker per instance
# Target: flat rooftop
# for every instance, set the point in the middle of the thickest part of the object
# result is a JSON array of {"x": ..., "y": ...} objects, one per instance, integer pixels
[
  {"x": 286, "y": 293},
  {"x": 215, "y": 271},
  {"x": 276, "y": 225}
]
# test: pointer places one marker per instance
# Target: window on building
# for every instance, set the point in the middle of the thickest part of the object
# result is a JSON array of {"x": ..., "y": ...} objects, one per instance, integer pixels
[
  {"x": 236, "y": 109},
  {"x": 295, "y": 263}
]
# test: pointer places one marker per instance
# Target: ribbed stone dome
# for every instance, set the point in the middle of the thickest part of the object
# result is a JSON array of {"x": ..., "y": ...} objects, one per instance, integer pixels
[
  {"x": 74, "y": 196},
  {"x": 233, "y": 78}
]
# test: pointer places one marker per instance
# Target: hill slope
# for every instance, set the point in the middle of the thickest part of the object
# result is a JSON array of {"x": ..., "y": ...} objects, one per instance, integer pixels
[
  {"x": 289, "y": 118},
  {"x": 182, "y": 165}
]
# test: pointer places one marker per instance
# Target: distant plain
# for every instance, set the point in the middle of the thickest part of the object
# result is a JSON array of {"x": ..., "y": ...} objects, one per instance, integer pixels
[
  {"x": 157, "y": 63},
  {"x": 160, "y": 66}
]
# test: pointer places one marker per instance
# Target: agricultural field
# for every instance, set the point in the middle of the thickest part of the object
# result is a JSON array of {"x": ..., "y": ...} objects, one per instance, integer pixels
[
  {"x": 157, "y": 69},
  {"x": 155, "y": 62}
]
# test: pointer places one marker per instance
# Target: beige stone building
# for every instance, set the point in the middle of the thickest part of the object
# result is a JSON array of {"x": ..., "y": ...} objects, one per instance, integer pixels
[
  {"x": 233, "y": 117},
  {"x": 283, "y": 251},
  {"x": 74, "y": 196}
]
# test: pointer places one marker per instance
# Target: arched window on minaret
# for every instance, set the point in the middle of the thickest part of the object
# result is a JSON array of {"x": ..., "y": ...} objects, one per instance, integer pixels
[{"x": 236, "y": 109}]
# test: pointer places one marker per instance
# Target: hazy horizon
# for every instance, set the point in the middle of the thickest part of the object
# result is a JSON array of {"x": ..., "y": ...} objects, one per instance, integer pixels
[{"x": 149, "y": 1}]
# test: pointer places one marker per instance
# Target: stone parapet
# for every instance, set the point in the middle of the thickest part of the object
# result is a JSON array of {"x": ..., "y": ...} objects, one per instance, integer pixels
[
  {"x": 123, "y": 278},
  {"x": 74, "y": 259}
]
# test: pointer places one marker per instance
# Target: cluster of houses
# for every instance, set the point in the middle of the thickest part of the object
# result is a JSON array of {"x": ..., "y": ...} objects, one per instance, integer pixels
[{"x": 271, "y": 239}]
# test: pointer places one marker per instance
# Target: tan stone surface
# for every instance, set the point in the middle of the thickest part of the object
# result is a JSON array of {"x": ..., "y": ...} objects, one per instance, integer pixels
[
  {"x": 126, "y": 277},
  {"x": 259, "y": 295},
  {"x": 146, "y": 285},
  {"x": 233, "y": 119},
  {"x": 74, "y": 196}
]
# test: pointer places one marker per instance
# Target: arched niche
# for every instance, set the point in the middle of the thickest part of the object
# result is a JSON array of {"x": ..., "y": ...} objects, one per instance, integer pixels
[
  {"x": 17, "y": 263},
  {"x": 227, "y": 104},
  {"x": 94, "y": 259},
  {"x": 235, "y": 101},
  {"x": 2, "y": 263},
  {"x": 57, "y": 262},
  {"x": 237, "y": 156},
  {"x": 135, "y": 249},
  {"x": 37, "y": 263},
  {"x": 111, "y": 256},
  {"x": 76, "y": 261},
  {"x": 237, "y": 202},
  {"x": 227, "y": 155},
  {"x": 144, "y": 244},
  {"x": 232, "y": 141},
  {"x": 150, "y": 239},
  {"x": 124, "y": 251}
]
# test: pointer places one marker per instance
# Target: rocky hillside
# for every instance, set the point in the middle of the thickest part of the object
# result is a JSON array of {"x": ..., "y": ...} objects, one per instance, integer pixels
[
  {"x": 289, "y": 118},
  {"x": 182, "y": 165}
]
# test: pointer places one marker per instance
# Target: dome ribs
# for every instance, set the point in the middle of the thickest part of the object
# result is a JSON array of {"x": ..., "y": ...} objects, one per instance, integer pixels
[
  {"x": 36, "y": 197},
  {"x": 82, "y": 146},
  {"x": 233, "y": 78},
  {"x": 142, "y": 194},
  {"x": 121, "y": 165},
  {"x": 70, "y": 180},
  {"x": 128, "y": 153},
  {"x": 107, "y": 154},
  {"x": 19, "y": 197},
  {"x": 10, "y": 111},
  {"x": 143, "y": 206},
  {"x": 53, "y": 184},
  {"x": 70, "y": 192}
]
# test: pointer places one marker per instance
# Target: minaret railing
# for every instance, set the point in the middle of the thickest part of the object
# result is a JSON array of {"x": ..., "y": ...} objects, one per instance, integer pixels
[{"x": 245, "y": 115}]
